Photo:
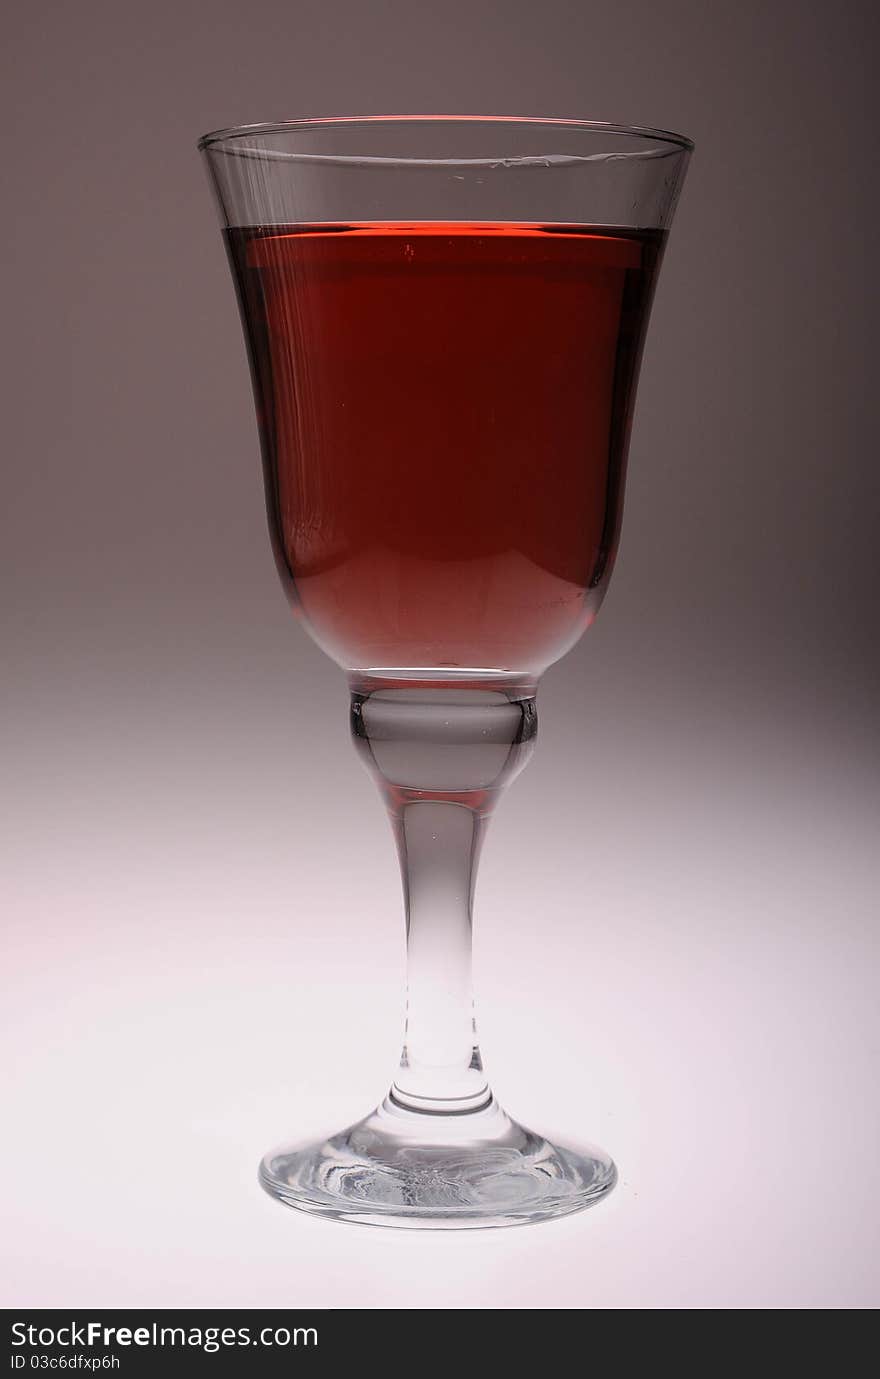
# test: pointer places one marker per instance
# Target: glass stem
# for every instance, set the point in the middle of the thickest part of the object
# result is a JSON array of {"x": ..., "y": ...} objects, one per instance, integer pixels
[
  {"x": 440, "y": 1066},
  {"x": 442, "y": 758}
]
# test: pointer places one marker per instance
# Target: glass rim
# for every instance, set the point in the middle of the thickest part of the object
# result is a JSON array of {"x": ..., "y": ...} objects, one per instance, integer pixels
[{"x": 234, "y": 132}]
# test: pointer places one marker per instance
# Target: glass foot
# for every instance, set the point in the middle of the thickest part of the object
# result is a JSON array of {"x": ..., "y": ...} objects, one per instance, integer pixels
[{"x": 404, "y": 1168}]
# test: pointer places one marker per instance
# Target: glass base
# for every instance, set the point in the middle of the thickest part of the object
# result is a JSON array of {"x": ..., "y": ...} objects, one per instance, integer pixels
[{"x": 400, "y": 1167}]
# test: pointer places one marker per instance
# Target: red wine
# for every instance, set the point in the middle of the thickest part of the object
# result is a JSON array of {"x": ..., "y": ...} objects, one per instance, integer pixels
[{"x": 444, "y": 413}]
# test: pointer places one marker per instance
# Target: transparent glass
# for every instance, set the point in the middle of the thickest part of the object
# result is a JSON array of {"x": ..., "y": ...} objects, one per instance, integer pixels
[{"x": 444, "y": 319}]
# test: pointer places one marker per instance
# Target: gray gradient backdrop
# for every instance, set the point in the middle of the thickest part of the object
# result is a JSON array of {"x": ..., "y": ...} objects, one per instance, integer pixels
[{"x": 677, "y": 939}]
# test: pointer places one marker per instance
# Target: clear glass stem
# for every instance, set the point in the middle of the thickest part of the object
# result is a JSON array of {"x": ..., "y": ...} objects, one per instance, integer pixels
[
  {"x": 440, "y": 1067},
  {"x": 441, "y": 758}
]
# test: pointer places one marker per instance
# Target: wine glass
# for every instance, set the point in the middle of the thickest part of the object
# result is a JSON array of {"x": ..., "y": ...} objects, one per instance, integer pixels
[{"x": 444, "y": 318}]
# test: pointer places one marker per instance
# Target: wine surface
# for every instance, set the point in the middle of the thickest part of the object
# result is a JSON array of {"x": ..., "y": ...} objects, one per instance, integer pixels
[{"x": 444, "y": 413}]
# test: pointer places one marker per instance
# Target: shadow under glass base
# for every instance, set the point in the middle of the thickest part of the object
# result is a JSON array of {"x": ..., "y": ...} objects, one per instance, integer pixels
[{"x": 400, "y": 1167}]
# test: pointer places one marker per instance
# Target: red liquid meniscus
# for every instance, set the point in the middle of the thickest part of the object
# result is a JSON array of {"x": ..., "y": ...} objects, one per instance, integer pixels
[{"x": 444, "y": 413}]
